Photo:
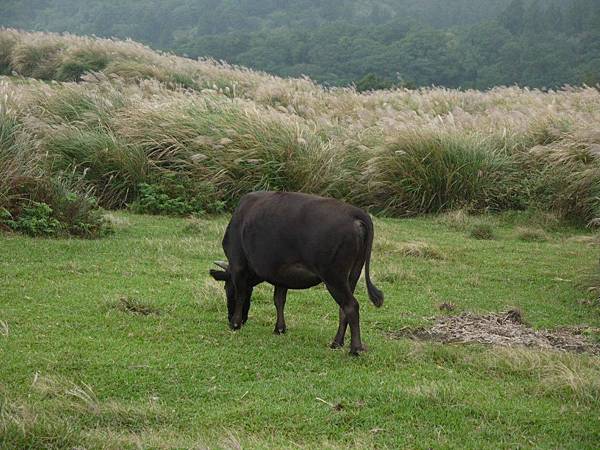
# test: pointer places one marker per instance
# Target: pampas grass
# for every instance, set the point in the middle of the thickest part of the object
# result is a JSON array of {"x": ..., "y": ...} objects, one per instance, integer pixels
[{"x": 136, "y": 116}]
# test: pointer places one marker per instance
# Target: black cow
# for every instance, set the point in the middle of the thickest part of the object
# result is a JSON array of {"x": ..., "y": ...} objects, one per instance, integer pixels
[{"x": 296, "y": 241}]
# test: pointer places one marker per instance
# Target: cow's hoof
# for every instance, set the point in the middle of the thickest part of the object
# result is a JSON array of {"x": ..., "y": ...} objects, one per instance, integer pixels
[
  {"x": 279, "y": 330},
  {"x": 335, "y": 345},
  {"x": 355, "y": 351}
]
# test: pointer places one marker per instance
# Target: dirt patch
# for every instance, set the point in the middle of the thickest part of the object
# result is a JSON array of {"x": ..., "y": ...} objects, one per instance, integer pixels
[{"x": 505, "y": 329}]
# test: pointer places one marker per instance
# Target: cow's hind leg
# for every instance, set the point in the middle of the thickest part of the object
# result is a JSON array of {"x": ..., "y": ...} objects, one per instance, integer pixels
[
  {"x": 338, "y": 340},
  {"x": 341, "y": 292},
  {"x": 279, "y": 300}
]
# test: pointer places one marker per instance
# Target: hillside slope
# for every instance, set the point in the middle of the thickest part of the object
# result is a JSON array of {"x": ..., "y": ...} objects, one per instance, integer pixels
[
  {"x": 180, "y": 136},
  {"x": 375, "y": 43}
]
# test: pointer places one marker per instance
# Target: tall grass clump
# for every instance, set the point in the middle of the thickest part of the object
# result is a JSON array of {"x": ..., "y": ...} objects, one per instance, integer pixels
[
  {"x": 422, "y": 172},
  {"x": 32, "y": 199},
  {"x": 7, "y": 43},
  {"x": 568, "y": 178},
  {"x": 78, "y": 61},
  {"x": 39, "y": 58},
  {"x": 177, "y": 136},
  {"x": 113, "y": 167},
  {"x": 235, "y": 147}
]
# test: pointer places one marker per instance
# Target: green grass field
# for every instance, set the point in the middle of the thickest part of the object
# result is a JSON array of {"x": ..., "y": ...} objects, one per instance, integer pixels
[{"x": 123, "y": 342}]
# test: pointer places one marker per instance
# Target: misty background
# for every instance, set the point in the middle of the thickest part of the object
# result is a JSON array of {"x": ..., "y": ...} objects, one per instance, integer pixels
[{"x": 373, "y": 44}]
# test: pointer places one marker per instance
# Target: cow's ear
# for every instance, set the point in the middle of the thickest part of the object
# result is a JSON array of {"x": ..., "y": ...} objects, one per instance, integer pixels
[{"x": 219, "y": 275}]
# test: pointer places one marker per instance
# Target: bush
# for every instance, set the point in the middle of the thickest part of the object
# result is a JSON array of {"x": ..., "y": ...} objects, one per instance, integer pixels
[
  {"x": 7, "y": 43},
  {"x": 175, "y": 200},
  {"x": 401, "y": 152},
  {"x": 34, "y": 220}
]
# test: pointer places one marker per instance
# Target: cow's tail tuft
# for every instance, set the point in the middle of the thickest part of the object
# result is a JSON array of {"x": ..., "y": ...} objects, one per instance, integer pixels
[{"x": 375, "y": 294}]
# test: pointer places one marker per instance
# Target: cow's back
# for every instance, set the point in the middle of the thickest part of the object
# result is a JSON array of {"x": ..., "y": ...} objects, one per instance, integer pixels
[{"x": 281, "y": 229}]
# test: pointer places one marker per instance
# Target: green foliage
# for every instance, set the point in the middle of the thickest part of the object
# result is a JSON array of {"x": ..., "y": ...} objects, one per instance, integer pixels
[
  {"x": 38, "y": 202},
  {"x": 401, "y": 152},
  {"x": 36, "y": 59},
  {"x": 371, "y": 82},
  {"x": 175, "y": 199},
  {"x": 34, "y": 220}
]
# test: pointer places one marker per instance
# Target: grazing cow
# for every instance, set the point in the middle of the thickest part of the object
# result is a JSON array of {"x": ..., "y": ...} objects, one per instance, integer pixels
[{"x": 296, "y": 241}]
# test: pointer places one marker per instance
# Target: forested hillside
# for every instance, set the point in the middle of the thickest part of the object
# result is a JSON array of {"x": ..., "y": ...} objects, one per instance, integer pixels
[{"x": 457, "y": 43}]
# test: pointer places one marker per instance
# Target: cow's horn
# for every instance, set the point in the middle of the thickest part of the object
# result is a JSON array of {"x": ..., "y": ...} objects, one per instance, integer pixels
[{"x": 222, "y": 264}]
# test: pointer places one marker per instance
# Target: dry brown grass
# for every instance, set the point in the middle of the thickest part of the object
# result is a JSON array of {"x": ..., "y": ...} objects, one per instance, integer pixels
[
  {"x": 419, "y": 249},
  {"x": 401, "y": 151},
  {"x": 531, "y": 234}
]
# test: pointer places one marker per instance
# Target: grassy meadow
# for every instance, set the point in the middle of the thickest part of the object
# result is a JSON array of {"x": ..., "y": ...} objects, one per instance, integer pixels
[
  {"x": 123, "y": 342},
  {"x": 485, "y": 201}
]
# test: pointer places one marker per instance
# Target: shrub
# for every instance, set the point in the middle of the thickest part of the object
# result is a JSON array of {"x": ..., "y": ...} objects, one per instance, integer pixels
[
  {"x": 34, "y": 220},
  {"x": 175, "y": 200},
  {"x": 232, "y": 146},
  {"x": 565, "y": 178},
  {"x": 231, "y": 130}
]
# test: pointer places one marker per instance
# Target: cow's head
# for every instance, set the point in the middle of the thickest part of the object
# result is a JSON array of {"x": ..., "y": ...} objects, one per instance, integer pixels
[{"x": 225, "y": 275}]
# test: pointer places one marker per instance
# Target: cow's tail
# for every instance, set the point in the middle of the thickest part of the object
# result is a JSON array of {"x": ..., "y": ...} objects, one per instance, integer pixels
[{"x": 375, "y": 294}]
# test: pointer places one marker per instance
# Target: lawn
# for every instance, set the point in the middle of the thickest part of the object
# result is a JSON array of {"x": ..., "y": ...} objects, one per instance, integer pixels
[{"x": 122, "y": 342}]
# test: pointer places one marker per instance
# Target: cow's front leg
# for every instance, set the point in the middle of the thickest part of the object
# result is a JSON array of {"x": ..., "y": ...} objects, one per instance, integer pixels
[
  {"x": 240, "y": 283},
  {"x": 246, "y": 307},
  {"x": 279, "y": 300}
]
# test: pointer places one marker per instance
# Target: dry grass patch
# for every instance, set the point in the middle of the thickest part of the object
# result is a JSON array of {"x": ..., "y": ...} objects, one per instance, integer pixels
[
  {"x": 195, "y": 225},
  {"x": 482, "y": 232},
  {"x": 81, "y": 398},
  {"x": 117, "y": 221},
  {"x": 528, "y": 234},
  {"x": 593, "y": 240},
  {"x": 562, "y": 374},
  {"x": 419, "y": 249},
  {"x": 135, "y": 306},
  {"x": 504, "y": 329},
  {"x": 461, "y": 220},
  {"x": 394, "y": 275}
]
